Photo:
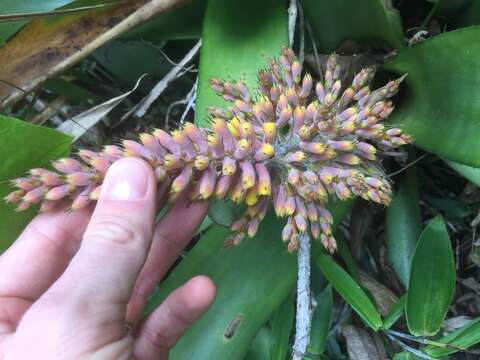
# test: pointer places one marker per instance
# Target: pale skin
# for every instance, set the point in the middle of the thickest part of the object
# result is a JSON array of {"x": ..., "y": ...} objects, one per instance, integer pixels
[{"x": 74, "y": 285}]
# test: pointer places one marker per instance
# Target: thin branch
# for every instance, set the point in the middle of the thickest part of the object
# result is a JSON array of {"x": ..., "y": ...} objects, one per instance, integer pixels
[
  {"x": 191, "y": 98},
  {"x": 407, "y": 166},
  {"x": 292, "y": 19},
  {"x": 304, "y": 316},
  {"x": 142, "y": 107},
  {"x": 41, "y": 14}
]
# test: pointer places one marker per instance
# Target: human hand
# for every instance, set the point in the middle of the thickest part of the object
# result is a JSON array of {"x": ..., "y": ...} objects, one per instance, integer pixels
[{"x": 62, "y": 297}]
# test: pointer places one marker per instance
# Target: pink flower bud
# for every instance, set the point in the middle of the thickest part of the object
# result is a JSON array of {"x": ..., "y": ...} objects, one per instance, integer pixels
[
  {"x": 301, "y": 223},
  {"x": 207, "y": 183},
  {"x": 59, "y": 192},
  {"x": 79, "y": 178},
  {"x": 248, "y": 174},
  {"x": 67, "y": 165},
  {"x": 280, "y": 201},
  {"x": 26, "y": 184},
  {"x": 264, "y": 182},
  {"x": 223, "y": 186},
  {"x": 252, "y": 227}
]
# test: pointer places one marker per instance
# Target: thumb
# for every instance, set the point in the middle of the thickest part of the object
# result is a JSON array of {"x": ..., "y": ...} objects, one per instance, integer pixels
[{"x": 117, "y": 239}]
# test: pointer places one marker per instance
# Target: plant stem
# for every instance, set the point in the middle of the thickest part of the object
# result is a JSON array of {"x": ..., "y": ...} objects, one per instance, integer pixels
[
  {"x": 304, "y": 318},
  {"x": 292, "y": 19}
]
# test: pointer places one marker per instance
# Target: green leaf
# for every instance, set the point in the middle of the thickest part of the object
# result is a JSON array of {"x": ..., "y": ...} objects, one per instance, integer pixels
[
  {"x": 322, "y": 317},
  {"x": 462, "y": 338},
  {"x": 472, "y": 174},
  {"x": 249, "y": 288},
  {"x": 350, "y": 291},
  {"x": 367, "y": 22},
  {"x": 404, "y": 225},
  {"x": 441, "y": 106},
  {"x": 395, "y": 313},
  {"x": 238, "y": 38},
  {"x": 432, "y": 280},
  {"x": 23, "y": 146},
  {"x": 260, "y": 347},
  {"x": 18, "y": 7},
  {"x": 282, "y": 323},
  {"x": 404, "y": 356}
]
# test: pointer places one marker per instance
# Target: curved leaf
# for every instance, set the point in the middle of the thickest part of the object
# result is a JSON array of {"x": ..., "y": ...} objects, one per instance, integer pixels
[
  {"x": 350, "y": 291},
  {"x": 23, "y": 147},
  {"x": 442, "y": 106},
  {"x": 432, "y": 280},
  {"x": 462, "y": 338},
  {"x": 260, "y": 347},
  {"x": 249, "y": 288},
  {"x": 367, "y": 21},
  {"x": 397, "y": 310},
  {"x": 472, "y": 174},
  {"x": 238, "y": 38},
  {"x": 404, "y": 225},
  {"x": 282, "y": 325},
  {"x": 321, "y": 319}
]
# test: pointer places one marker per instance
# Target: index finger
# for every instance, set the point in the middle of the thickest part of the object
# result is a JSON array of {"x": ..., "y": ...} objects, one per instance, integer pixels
[{"x": 42, "y": 252}]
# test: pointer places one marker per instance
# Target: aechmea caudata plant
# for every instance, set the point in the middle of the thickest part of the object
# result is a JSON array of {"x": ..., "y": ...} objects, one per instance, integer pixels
[{"x": 295, "y": 144}]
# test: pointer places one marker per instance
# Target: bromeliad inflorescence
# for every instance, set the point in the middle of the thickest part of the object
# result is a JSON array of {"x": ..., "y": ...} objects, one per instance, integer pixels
[{"x": 295, "y": 144}]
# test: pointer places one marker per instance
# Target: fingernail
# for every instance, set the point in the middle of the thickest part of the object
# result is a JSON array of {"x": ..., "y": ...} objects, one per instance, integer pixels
[{"x": 126, "y": 179}]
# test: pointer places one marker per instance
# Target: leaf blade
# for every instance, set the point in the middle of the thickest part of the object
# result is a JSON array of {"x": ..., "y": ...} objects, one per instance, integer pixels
[
  {"x": 350, "y": 291},
  {"x": 34, "y": 147},
  {"x": 432, "y": 280},
  {"x": 433, "y": 72}
]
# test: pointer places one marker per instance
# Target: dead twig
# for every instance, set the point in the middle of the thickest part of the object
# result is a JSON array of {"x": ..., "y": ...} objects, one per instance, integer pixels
[{"x": 142, "y": 107}]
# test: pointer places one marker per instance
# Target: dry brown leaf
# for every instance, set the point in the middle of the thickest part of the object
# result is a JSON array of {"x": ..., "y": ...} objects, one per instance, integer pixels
[
  {"x": 384, "y": 297},
  {"x": 47, "y": 47},
  {"x": 362, "y": 344}
]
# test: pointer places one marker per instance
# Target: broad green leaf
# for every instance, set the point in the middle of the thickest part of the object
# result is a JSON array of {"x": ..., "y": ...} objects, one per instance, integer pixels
[
  {"x": 182, "y": 22},
  {"x": 351, "y": 292},
  {"x": 22, "y": 147},
  {"x": 441, "y": 106},
  {"x": 404, "y": 225},
  {"x": 260, "y": 347},
  {"x": 462, "y": 338},
  {"x": 404, "y": 356},
  {"x": 238, "y": 39},
  {"x": 472, "y": 174},
  {"x": 367, "y": 21},
  {"x": 432, "y": 280},
  {"x": 282, "y": 324},
  {"x": 249, "y": 288},
  {"x": 9, "y": 7},
  {"x": 395, "y": 313},
  {"x": 322, "y": 317}
]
